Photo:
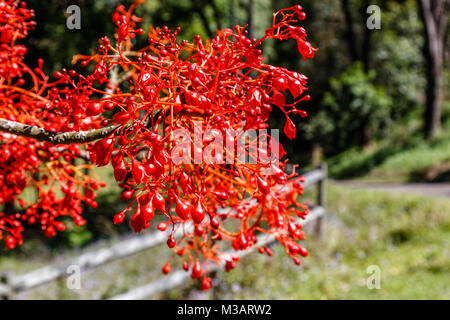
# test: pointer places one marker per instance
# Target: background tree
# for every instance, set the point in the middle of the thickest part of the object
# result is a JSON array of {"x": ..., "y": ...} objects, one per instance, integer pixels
[{"x": 434, "y": 17}]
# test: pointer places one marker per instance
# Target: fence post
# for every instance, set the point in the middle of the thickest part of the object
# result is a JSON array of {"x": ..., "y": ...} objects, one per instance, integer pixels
[
  {"x": 6, "y": 292},
  {"x": 321, "y": 196}
]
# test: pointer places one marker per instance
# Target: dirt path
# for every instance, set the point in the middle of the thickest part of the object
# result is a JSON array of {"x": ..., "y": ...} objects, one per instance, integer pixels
[{"x": 433, "y": 189}]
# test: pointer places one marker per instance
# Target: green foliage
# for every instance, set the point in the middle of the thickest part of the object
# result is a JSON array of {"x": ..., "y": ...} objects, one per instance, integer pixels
[
  {"x": 52, "y": 41},
  {"x": 353, "y": 107},
  {"x": 397, "y": 55}
]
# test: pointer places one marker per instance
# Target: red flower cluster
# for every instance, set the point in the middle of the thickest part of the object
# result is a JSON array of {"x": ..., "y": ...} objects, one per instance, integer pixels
[
  {"x": 55, "y": 185},
  {"x": 217, "y": 84}
]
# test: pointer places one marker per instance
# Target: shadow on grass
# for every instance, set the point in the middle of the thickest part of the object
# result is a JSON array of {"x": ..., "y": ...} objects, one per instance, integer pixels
[
  {"x": 360, "y": 166},
  {"x": 359, "y": 162},
  {"x": 436, "y": 174}
]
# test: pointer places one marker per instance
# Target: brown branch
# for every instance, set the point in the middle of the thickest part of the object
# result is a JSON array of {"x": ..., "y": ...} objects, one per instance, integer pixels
[{"x": 42, "y": 134}]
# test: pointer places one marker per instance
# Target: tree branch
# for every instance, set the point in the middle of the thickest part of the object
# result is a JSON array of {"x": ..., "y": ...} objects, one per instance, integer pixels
[{"x": 42, "y": 134}]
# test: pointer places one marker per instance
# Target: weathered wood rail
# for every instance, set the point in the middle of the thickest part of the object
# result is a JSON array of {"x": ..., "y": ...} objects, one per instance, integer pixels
[{"x": 10, "y": 285}]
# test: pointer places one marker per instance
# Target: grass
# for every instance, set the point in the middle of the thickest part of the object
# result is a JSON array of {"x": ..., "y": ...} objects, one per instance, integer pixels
[
  {"x": 405, "y": 236},
  {"x": 394, "y": 161}
]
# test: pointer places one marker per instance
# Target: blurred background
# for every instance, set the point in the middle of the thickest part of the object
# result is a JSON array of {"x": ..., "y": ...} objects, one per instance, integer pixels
[{"x": 379, "y": 116}]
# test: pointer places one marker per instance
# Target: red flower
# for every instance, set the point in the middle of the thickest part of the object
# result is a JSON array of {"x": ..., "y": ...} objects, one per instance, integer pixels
[
  {"x": 289, "y": 129},
  {"x": 138, "y": 221}
]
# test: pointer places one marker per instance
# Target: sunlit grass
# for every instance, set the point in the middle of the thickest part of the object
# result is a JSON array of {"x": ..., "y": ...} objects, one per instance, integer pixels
[{"x": 390, "y": 161}]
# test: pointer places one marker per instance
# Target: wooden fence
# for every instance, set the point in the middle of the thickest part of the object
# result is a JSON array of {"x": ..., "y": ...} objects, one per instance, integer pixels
[{"x": 10, "y": 285}]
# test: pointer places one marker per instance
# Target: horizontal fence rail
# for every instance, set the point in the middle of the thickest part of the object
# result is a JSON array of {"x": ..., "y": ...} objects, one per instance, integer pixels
[{"x": 11, "y": 285}]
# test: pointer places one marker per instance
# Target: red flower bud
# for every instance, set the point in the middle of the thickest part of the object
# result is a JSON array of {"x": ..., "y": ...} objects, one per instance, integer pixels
[
  {"x": 182, "y": 209},
  {"x": 206, "y": 284},
  {"x": 159, "y": 202},
  {"x": 138, "y": 221},
  {"x": 59, "y": 226},
  {"x": 196, "y": 270},
  {"x": 166, "y": 269},
  {"x": 197, "y": 213},
  {"x": 118, "y": 218},
  {"x": 171, "y": 242},
  {"x": 263, "y": 185}
]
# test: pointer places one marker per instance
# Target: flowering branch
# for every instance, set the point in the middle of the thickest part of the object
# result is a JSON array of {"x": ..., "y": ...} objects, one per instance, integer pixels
[
  {"x": 149, "y": 96},
  {"x": 42, "y": 134}
]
